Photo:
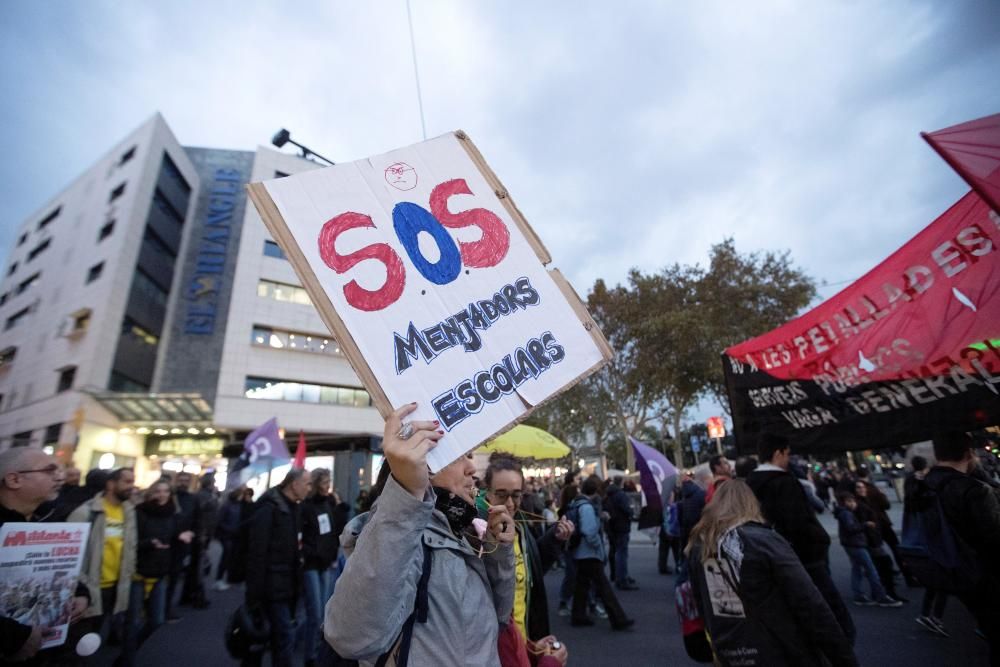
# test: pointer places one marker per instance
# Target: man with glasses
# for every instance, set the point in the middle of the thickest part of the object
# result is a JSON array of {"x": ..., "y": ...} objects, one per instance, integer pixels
[{"x": 28, "y": 478}]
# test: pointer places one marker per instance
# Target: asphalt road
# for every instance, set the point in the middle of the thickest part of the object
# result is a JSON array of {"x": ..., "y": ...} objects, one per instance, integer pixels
[{"x": 885, "y": 636}]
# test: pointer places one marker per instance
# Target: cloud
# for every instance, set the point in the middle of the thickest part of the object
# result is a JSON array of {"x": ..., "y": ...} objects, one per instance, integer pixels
[{"x": 637, "y": 135}]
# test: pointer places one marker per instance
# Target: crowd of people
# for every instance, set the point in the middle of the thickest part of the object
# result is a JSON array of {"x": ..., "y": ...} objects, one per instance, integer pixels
[{"x": 449, "y": 568}]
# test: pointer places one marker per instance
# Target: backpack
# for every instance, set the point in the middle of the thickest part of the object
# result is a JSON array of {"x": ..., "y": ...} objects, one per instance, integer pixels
[
  {"x": 672, "y": 521},
  {"x": 936, "y": 555}
]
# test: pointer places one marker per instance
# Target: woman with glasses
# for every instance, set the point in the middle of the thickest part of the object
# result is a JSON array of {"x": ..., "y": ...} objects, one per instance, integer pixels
[{"x": 504, "y": 481}]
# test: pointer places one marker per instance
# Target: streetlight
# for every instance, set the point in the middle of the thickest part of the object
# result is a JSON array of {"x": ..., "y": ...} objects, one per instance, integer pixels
[{"x": 283, "y": 136}]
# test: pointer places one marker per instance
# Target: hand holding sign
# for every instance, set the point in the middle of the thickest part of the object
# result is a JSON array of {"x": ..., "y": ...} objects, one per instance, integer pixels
[{"x": 407, "y": 456}]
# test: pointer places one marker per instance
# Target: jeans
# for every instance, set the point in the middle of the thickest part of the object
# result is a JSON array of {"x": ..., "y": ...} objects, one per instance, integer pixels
[
  {"x": 318, "y": 585},
  {"x": 666, "y": 546},
  {"x": 568, "y": 582},
  {"x": 590, "y": 572},
  {"x": 138, "y": 631},
  {"x": 934, "y": 602},
  {"x": 621, "y": 558},
  {"x": 819, "y": 572},
  {"x": 862, "y": 567},
  {"x": 227, "y": 551},
  {"x": 279, "y": 614}
]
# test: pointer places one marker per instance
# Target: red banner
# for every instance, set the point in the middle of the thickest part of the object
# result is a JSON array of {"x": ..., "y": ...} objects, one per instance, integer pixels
[
  {"x": 911, "y": 348},
  {"x": 973, "y": 150}
]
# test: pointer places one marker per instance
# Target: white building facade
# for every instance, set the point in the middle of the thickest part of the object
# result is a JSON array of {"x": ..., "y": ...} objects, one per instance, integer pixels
[{"x": 157, "y": 324}]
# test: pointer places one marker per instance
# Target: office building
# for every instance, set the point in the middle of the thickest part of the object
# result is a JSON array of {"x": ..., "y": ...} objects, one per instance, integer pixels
[{"x": 148, "y": 319}]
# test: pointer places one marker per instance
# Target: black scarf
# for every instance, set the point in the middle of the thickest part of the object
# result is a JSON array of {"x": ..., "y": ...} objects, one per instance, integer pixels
[{"x": 458, "y": 512}]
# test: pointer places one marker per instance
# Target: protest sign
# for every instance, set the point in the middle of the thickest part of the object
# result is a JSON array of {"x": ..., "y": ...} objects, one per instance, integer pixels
[
  {"x": 434, "y": 285},
  {"x": 39, "y": 567},
  {"x": 909, "y": 350}
]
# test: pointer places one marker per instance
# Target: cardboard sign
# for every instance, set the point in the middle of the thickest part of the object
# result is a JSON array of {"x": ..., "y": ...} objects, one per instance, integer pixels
[
  {"x": 435, "y": 286},
  {"x": 39, "y": 568}
]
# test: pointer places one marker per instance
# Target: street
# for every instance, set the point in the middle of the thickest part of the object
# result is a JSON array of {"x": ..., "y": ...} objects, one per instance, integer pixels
[{"x": 885, "y": 636}]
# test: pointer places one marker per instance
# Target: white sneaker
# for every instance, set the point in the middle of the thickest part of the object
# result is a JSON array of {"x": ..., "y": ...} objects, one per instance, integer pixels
[
  {"x": 221, "y": 585},
  {"x": 563, "y": 610}
]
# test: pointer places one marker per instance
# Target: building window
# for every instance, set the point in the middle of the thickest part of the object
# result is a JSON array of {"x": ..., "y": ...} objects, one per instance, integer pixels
[
  {"x": 95, "y": 272},
  {"x": 43, "y": 223},
  {"x": 286, "y": 390},
  {"x": 66, "y": 376},
  {"x": 80, "y": 321},
  {"x": 171, "y": 170},
  {"x": 7, "y": 356},
  {"x": 39, "y": 249},
  {"x": 24, "y": 239},
  {"x": 126, "y": 156},
  {"x": 22, "y": 439},
  {"x": 27, "y": 283},
  {"x": 105, "y": 231},
  {"x": 14, "y": 319},
  {"x": 116, "y": 193},
  {"x": 148, "y": 288},
  {"x": 132, "y": 329},
  {"x": 52, "y": 433},
  {"x": 4, "y": 297},
  {"x": 272, "y": 249},
  {"x": 12, "y": 269},
  {"x": 124, "y": 384},
  {"x": 156, "y": 245},
  {"x": 294, "y": 340},
  {"x": 164, "y": 205},
  {"x": 283, "y": 292}
]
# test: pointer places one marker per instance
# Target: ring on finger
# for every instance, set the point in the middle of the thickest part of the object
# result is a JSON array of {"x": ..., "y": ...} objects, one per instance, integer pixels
[{"x": 405, "y": 431}]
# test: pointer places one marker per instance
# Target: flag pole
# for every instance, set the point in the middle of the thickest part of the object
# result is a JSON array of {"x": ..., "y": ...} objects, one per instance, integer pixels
[{"x": 270, "y": 465}]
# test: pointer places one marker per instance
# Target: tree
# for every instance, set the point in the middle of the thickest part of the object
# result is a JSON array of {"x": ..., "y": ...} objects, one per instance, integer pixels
[{"x": 744, "y": 296}]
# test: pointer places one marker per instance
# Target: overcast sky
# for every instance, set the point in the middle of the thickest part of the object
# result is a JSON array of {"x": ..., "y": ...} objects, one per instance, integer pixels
[{"x": 629, "y": 133}]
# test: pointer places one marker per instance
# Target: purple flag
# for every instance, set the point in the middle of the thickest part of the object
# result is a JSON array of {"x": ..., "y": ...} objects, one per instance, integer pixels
[
  {"x": 262, "y": 449},
  {"x": 656, "y": 473}
]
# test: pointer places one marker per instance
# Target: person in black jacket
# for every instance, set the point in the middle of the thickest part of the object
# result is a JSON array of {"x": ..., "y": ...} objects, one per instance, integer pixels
[
  {"x": 504, "y": 480},
  {"x": 619, "y": 509},
  {"x": 785, "y": 506},
  {"x": 274, "y": 562},
  {"x": 320, "y": 543},
  {"x": 689, "y": 508},
  {"x": 972, "y": 509},
  {"x": 28, "y": 478},
  {"x": 180, "y": 553},
  {"x": 158, "y": 528},
  {"x": 759, "y": 604}
]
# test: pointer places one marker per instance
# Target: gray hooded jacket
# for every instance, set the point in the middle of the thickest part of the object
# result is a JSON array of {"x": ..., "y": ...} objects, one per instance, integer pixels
[{"x": 469, "y": 596}]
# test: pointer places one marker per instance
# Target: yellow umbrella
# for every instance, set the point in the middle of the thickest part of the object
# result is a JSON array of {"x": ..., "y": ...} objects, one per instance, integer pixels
[{"x": 528, "y": 442}]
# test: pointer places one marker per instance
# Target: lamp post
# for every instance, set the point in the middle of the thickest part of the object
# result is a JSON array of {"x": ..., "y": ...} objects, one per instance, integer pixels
[{"x": 283, "y": 136}]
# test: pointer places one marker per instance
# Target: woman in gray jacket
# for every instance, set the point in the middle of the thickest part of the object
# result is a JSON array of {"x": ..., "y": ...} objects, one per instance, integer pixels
[{"x": 421, "y": 527}]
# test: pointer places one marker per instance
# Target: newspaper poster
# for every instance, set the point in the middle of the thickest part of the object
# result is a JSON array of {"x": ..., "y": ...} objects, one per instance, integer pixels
[
  {"x": 435, "y": 286},
  {"x": 39, "y": 568}
]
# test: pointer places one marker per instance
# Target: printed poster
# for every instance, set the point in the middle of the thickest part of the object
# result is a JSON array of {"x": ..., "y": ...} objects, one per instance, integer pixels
[{"x": 39, "y": 568}]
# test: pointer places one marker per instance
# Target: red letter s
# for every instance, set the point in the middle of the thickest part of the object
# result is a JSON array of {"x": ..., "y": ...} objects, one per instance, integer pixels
[
  {"x": 355, "y": 294},
  {"x": 492, "y": 247}
]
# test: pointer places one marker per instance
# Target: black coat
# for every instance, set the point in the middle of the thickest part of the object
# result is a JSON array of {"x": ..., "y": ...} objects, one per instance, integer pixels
[
  {"x": 972, "y": 509},
  {"x": 786, "y": 507},
  {"x": 784, "y": 619},
  {"x": 619, "y": 508},
  {"x": 320, "y": 533},
  {"x": 159, "y": 523},
  {"x": 187, "y": 519},
  {"x": 689, "y": 508},
  {"x": 274, "y": 555}
]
